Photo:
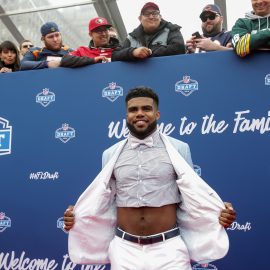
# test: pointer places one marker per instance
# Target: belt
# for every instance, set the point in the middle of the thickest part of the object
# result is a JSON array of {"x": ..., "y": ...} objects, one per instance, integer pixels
[{"x": 147, "y": 240}]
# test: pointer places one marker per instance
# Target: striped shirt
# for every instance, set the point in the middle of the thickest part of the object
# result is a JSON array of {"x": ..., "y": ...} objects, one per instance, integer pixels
[{"x": 145, "y": 176}]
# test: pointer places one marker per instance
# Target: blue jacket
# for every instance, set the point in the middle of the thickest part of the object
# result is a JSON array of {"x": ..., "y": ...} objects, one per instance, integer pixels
[{"x": 36, "y": 58}]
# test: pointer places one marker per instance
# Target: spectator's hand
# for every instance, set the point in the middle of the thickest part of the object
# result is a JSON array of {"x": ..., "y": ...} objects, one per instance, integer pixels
[
  {"x": 227, "y": 216},
  {"x": 191, "y": 44},
  {"x": 142, "y": 52},
  {"x": 5, "y": 70},
  {"x": 102, "y": 59},
  {"x": 69, "y": 218},
  {"x": 54, "y": 64},
  {"x": 206, "y": 44},
  {"x": 229, "y": 45}
]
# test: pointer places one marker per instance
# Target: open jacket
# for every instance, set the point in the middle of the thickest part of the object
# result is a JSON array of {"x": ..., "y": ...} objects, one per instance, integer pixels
[
  {"x": 167, "y": 40},
  {"x": 251, "y": 33},
  {"x": 197, "y": 215}
]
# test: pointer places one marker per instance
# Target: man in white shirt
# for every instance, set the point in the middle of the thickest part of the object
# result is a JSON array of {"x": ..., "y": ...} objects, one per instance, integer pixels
[{"x": 147, "y": 194}]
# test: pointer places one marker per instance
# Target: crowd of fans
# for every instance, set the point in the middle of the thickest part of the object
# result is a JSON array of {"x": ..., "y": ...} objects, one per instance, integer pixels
[{"x": 152, "y": 38}]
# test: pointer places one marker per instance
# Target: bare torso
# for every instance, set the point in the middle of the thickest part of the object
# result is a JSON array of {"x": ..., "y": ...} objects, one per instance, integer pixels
[{"x": 146, "y": 220}]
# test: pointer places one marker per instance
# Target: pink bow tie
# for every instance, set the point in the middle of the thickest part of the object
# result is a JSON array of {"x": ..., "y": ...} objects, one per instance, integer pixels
[{"x": 134, "y": 142}]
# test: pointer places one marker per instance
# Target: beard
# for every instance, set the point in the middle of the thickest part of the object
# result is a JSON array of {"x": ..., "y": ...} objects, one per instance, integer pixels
[
  {"x": 141, "y": 134},
  {"x": 53, "y": 48},
  {"x": 214, "y": 31}
]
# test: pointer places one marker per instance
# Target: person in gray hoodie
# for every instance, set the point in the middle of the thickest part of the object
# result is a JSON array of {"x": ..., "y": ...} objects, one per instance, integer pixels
[{"x": 252, "y": 33}]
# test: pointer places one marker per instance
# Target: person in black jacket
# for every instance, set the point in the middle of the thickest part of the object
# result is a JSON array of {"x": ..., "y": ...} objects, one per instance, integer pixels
[
  {"x": 153, "y": 37},
  {"x": 9, "y": 57}
]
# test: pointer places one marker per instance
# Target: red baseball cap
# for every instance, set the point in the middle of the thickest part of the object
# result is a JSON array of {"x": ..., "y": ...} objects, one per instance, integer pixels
[
  {"x": 97, "y": 22},
  {"x": 149, "y": 5}
]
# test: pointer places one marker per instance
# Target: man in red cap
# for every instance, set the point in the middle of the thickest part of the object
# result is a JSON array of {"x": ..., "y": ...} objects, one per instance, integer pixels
[
  {"x": 100, "y": 48},
  {"x": 153, "y": 37}
]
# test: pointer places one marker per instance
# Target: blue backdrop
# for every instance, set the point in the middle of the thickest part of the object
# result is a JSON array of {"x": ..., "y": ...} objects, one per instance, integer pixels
[{"x": 55, "y": 124}]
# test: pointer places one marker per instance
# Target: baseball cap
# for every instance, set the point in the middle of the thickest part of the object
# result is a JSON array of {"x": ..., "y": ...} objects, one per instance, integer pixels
[
  {"x": 211, "y": 8},
  {"x": 149, "y": 5},
  {"x": 49, "y": 27},
  {"x": 97, "y": 22}
]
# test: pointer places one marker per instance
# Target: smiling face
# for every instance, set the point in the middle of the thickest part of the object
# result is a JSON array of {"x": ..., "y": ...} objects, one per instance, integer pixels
[
  {"x": 142, "y": 116},
  {"x": 213, "y": 23},
  {"x": 261, "y": 7},
  {"x": 150, "y": 20},
  {"x": 100, "y": 36}
]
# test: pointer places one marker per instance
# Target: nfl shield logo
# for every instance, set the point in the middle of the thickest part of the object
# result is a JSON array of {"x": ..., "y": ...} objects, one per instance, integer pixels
[
  {"x": 5, "y": 137},
  {"x": 112, "y": 92},
  {"x": 45, "y": 97},
  {"x": 5, "y": 222},
  {"x": 186, "y": 86},
  {"x": 65, "y": 133}
]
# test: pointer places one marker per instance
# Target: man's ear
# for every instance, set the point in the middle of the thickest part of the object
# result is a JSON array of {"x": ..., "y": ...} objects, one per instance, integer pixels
[
  {"x": 42, "y": 38},
  {"x": 157, "y": 115}
]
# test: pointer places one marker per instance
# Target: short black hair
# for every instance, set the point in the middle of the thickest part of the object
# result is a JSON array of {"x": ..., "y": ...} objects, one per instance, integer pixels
[{"x": 142, "y": 91}]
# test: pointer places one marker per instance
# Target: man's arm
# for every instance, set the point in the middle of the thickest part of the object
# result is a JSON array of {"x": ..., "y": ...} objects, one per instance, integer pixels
[
  {"x": 175, "y": 45},
  {"x": 207, "y": 45},
  {"x": 244, "y": 42},
  {"x": 124, "y": 53},
  {"x": 29, "y": 62},
  {"x": 76, "y": 61}
]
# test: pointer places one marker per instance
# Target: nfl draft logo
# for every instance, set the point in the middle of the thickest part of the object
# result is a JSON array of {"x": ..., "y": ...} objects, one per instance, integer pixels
[
  {"x": 204, "y": 267},
  {"x": 267, "y": 79},
  {"x": 65, "y": 133},
  {"x": 5, "y": 137},
  {"x": 112, "y": 92},
  {"x": 60, "y": 224},
  {"x": 186, "y": 86},
  {"x": 5, "y": 222},
  {"x": 45, "y": 97}
]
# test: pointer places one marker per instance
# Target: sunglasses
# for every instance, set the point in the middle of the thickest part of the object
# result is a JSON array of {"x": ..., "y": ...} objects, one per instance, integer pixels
[
  {"x": 28, "y": 46},
  {"x": 211, "y": 17},
  {"x": 154, "y": 13}
]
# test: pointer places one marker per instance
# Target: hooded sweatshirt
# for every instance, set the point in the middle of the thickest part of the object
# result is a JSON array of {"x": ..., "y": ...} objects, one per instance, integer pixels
[{"x": 251, "y": 33}]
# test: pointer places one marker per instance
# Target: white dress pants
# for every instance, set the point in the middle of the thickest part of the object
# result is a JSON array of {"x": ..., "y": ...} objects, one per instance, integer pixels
[{"x": 170, "y": 254}]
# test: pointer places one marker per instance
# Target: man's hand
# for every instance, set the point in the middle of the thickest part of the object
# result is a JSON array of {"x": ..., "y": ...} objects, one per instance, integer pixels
[
  {"x": 142, "y": 52},
  {"x": 69, "y": 218},
  {"x": 191, "y": 45},
  {"x": 207, "y": 44},
  {"x": 53, "y": 64},
  {"x": 227, "y": 215},
  {"x": 102, "y": 59}
]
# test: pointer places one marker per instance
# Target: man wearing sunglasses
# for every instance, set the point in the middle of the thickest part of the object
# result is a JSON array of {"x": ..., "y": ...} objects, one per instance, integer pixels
[
  {"x": 153, "y": 37},
  {"x": 25, "y": 45},
  {"x": 214, "y": 38},
  {"x": 252, "y": 32}
]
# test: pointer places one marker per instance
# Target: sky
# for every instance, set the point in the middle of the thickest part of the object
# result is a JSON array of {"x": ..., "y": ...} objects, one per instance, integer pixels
[{"x": 183, "y": 13}]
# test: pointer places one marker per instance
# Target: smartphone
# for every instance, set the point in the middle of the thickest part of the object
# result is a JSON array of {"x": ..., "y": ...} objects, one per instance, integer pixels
[{"x": 197, "y": 35}]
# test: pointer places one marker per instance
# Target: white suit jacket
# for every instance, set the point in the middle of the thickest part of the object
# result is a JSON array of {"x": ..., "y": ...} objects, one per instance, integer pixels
[{"x": 197, "y": 215}]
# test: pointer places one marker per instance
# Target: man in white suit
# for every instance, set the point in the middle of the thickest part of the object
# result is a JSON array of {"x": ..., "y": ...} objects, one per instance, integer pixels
[{"x": 147, "y": 209}]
